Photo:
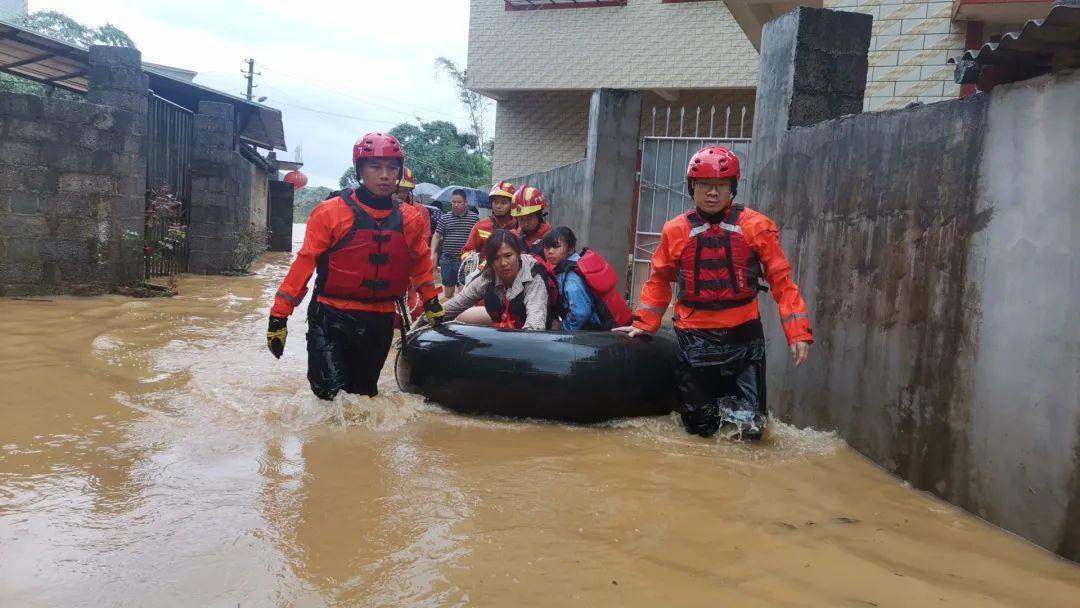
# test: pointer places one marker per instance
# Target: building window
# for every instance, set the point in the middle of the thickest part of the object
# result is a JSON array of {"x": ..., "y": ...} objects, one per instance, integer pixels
[{"x": 536, "y": 5}]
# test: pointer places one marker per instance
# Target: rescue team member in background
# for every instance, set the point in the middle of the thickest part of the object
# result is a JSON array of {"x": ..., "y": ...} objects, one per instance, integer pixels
[
  {"x": 716, "y": 253},
  {"x": 529, "y": 207},
  {"x": 413, "y": 302},
  {"x": 499, "y": 198},
  {"x": 588, "y": 286},
  {"x": 513, "y": 288},
  {"x": 404, "y": 196},
  {"x": 367, "y": 251},
  {"x": 450, "y": 237}
]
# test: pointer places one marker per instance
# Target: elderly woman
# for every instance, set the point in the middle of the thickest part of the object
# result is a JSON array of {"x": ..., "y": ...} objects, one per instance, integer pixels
[{"x": 512, "y": 288}]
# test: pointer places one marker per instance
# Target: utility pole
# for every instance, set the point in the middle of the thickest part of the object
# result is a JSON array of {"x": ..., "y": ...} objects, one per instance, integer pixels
[{"x": 250, "y": 75}]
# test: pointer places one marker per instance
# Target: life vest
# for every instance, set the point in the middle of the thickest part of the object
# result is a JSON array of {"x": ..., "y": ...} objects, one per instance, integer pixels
[
  {"x": 371, "y": 262},
  {"x": 718, "y": 269},
  {"x": 511, "y": 314},
  {"x": 601, "y": 279},
  {"x": 536, "y": 237},
  {"x": 486, "y": 226}
]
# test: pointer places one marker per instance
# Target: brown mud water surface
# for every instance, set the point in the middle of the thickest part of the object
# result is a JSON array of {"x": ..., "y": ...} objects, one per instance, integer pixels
[{"x": 152, "y": 453}]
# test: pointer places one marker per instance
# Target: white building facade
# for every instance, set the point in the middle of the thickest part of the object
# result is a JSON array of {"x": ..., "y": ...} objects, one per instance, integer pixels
[{"x": 540, "y": 60}]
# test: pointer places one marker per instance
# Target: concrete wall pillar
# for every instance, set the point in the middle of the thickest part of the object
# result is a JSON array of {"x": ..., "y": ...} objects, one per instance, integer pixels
[
  {"x": 217, "y": 217},
  {"x": 116, "y": 80},
  {"x": 610, "y": 166},
  {"x": 280, "y": 215},
  {"x": 813, "y": 68}
]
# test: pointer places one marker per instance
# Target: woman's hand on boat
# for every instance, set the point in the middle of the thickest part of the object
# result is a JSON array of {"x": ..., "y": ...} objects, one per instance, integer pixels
[{"x": 630, "y": 330}]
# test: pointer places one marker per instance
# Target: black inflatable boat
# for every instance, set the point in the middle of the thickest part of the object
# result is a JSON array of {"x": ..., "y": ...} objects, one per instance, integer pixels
[{"x": 581, "y": 377}]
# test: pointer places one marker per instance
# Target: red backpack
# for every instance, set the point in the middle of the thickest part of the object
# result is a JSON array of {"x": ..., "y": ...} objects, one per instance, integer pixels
[{"x": 602, "y": 280}]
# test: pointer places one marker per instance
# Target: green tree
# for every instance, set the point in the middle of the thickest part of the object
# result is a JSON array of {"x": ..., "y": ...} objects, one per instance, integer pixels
[
  {"x": 438, "y": 153},
  {"x": 305, "y": 199},
  {"x": 60, "y": 26},
  {"x": 476, "y": 104},
  {"x": 349, "y": 179}
]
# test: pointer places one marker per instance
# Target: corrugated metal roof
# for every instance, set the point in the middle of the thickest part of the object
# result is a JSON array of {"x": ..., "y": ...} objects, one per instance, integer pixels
[
  {"x": 1038, "y": 48},
  {"x": 51, "y": 61}
]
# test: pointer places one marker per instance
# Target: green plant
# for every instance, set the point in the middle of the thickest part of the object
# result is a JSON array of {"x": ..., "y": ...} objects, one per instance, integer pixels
[
  {"x": 250, "y": 244},
  {"x": 165, "y": 232}
]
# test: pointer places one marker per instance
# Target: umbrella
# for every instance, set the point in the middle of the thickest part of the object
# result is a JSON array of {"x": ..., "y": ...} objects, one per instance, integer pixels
[{"x": 474, "y": 197}]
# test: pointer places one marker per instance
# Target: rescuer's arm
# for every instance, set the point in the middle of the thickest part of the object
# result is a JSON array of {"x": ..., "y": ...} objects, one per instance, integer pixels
[
  {"x": 421, "y": 266},
  {"x": 764, "y": 237},
  {"x": 473, "y": 244},
  {"x": 656, "y": 293},
  {"x": 317, "y": 239}
]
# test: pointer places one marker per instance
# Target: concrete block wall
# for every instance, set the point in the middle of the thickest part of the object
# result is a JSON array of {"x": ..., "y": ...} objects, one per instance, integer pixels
[
  {"x": 258, "y": 216},
  {"x": 594, "y": 195},
  {"x": 643, "y": 45},
  {"x": 942, "y": 279},
  {"x": 73, "y": 184},
  {"x": 910, "y": 45},
  {"x": 564, "y": 188},
  {"x": 220, "y": 191}
]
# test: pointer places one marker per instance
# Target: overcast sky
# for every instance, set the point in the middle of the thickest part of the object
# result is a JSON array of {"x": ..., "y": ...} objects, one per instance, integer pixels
[{"x": 335, "y": 68}]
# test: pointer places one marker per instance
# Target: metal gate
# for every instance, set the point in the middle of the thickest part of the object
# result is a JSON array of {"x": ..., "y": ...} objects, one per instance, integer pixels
[
  {"x": 168, "y": 187},
  {"x": 665, "y": 154}
]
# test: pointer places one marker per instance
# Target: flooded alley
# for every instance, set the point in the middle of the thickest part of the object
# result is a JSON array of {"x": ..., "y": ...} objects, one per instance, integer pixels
[{"x": 153, "y": 453}]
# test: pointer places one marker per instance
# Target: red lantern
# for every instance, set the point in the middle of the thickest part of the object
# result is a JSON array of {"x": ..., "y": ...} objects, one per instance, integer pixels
[{"x": 296, "y": 178}]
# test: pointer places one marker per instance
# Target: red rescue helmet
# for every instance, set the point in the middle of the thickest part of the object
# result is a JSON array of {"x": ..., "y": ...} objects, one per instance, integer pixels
[
  {"x": 527, "y": 201},
  {"x": 407, "y": 181},
  {"x": 377, "y": 145},
  {"x": 714, "y": 162},
  {"x": 503, "y": 188}
]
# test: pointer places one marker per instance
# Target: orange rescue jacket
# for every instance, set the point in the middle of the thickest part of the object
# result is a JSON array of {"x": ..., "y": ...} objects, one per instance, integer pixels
[
  {"x": 328, "y": 223},
  {"x": 481, "y": 232},
  {"x": 763, "y": 237}
]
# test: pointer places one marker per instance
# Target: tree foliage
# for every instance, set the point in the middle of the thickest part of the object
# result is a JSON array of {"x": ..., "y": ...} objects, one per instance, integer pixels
[
  {"x": 476, "y": 104},
  {"x": 305, "y": 199},
  {"x": 438, "y": 153},
  {"x": 349, "y": 179},
  {"x": 58, "y": 25}
]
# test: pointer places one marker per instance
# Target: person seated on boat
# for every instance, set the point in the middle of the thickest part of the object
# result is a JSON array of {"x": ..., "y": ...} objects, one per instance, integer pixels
[
  {"x": 588, "y": 296},
  {"x": 515, "y": 289}
]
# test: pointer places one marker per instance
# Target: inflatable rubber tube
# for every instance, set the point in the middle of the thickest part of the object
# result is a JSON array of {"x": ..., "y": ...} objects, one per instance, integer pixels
[{"x": 580, "y": 377}]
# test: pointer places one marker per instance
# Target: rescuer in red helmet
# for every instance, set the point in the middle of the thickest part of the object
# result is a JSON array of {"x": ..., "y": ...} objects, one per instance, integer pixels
[
  {"x": 529, "y": 208},
  {"x": 404, "y": 196},
  {"x": 716, "y": 252},
  {"x": 500, "y": 198},
  {"x": 366, "y": 251}
]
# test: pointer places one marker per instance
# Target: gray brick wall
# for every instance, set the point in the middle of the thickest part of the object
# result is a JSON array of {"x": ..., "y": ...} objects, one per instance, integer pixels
[
  {"x": 224, "y": 186},
  {"x": 643, "y": 45},
  {"x": 72, "y": 184}
]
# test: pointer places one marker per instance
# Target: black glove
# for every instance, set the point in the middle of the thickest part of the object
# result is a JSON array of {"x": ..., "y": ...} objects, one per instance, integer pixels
[
  {"x": 433, "y": 312},
  {"x": 275, "y": 336}
]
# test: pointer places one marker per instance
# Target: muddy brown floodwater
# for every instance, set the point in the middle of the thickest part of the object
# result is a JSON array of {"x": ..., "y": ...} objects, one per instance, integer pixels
[{"x": 152, "y": 453}]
